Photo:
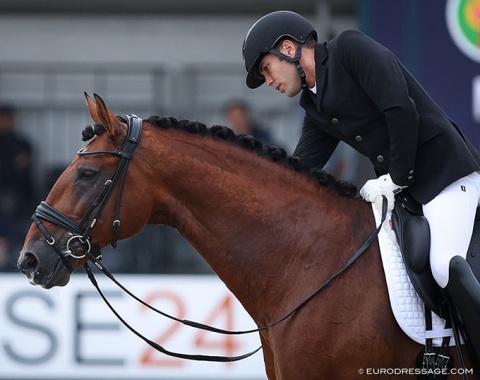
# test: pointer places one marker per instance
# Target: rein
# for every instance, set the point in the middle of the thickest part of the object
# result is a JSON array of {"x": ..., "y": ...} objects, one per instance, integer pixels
[
  {"x": 201, "y": 326},
  {"x": 46, "y": 212}
]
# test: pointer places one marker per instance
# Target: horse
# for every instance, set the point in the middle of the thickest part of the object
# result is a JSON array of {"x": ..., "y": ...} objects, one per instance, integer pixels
[{"x": 270, "y": 229}]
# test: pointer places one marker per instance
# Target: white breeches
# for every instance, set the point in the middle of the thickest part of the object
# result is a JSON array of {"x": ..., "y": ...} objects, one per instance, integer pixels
[{"x": 451, "y": 215}]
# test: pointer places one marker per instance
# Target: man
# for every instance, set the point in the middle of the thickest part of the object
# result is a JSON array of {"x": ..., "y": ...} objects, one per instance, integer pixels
[
  {"x": 16, "y": 188},
  {"x": 355, "y": 90},
  {"x": 240, "y": 119}
]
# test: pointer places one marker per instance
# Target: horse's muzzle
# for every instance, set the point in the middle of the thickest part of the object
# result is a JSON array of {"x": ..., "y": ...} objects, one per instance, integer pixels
[{"x": 42, "y": 273}]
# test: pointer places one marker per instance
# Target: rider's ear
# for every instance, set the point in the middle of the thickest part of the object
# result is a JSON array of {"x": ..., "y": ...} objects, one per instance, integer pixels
[
  {"x": 106, "y": 117},
  {"x": 289, "y": 48}
]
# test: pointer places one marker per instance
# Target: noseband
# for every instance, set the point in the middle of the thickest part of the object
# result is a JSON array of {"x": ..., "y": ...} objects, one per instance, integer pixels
[{"x": 82, "y": 230}]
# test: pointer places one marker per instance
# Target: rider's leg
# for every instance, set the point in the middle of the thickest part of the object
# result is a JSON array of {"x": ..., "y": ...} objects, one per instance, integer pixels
[{"x": 451, "y": 217}]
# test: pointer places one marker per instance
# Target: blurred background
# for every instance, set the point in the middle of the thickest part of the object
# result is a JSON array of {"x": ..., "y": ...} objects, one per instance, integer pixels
[{"x": 183, "y": 58}]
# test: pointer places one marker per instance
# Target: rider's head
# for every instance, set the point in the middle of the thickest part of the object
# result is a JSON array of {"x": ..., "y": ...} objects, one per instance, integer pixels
[{"x": 265, "y": 34}]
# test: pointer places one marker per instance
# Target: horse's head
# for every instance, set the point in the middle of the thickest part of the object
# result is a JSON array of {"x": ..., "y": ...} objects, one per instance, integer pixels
[{"x": 83, "y": 208}]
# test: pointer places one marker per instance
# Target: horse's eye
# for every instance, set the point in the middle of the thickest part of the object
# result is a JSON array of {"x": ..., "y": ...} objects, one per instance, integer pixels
[{"x": 87, "y": 174}]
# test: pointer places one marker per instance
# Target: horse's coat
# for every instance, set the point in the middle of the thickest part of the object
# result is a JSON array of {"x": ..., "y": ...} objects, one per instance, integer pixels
[{"x": 272, "y": 234}]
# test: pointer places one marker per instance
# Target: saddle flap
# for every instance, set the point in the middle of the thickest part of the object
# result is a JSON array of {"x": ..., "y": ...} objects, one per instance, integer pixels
[{"x": 413, "y": 236}]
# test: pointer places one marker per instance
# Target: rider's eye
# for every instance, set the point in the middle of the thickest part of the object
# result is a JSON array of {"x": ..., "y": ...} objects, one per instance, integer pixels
[{"x": 87, "y": 173}]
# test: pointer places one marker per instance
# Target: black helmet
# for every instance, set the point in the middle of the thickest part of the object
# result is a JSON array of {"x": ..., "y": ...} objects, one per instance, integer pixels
[{"x": 264, "y": 35}]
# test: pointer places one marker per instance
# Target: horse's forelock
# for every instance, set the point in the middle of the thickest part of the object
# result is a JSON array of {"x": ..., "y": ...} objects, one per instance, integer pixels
[{"x": 90, "y": 131}]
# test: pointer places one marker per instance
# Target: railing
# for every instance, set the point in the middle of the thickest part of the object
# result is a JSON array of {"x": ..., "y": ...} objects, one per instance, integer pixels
[
  {"x": 52, "y": 113},
  {"x": 52, "y": 108}
]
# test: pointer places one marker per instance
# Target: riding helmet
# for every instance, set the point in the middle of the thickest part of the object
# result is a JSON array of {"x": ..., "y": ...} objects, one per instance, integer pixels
[{"x": 264, "y": 35}]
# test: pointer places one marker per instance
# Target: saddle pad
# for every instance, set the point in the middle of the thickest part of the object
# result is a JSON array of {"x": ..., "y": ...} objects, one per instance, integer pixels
[{"x": 407, "y": 306}]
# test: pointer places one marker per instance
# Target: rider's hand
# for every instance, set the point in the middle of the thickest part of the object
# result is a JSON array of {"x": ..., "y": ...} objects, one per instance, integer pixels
[{"x": 373, "y": 190}]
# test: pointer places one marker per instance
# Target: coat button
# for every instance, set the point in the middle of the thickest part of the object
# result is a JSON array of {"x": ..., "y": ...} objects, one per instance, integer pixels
[
  {"x": 410, "y": 178},
  {"x": 358, "y": 138},
  {"x": 334, "y": 121},
  {"x": 380, "y": 158}
]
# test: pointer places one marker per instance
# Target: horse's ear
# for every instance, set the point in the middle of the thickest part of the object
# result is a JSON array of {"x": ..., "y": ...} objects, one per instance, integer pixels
[
  {"x": 92, "y": 108},
  {"x": 108, "y": 119}
]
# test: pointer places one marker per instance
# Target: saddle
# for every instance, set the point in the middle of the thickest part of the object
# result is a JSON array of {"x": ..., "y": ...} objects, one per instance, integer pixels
[{"x": 413, "y": 236}]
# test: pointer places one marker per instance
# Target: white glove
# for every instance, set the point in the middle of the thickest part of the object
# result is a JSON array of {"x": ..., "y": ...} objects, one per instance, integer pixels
[{"x": 373, "y": 190}]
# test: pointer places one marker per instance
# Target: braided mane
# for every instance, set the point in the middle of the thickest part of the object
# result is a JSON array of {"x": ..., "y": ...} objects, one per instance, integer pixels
[{"x": 247, "y": 142}]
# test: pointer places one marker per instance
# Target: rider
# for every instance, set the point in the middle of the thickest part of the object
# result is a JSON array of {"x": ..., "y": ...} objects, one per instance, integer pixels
[{"x": 355, "y": 90}]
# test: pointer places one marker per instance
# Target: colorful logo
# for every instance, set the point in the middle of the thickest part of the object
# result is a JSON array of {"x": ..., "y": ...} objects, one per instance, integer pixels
[{"x": 463, "y": 23}]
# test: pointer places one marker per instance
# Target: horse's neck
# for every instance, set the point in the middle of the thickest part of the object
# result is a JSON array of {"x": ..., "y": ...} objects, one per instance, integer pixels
[{"x": 252, "y": 220}]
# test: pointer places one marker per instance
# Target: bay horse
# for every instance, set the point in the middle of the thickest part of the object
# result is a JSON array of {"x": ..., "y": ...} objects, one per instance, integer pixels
[{"x": 269, "y": 230}]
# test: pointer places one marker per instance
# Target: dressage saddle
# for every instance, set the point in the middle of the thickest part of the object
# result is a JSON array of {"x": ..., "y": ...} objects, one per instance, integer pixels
[{"x": 413, "y": 236}]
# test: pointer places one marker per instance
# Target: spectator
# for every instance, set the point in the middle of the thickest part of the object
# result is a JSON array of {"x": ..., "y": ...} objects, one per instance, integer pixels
[
  {"x": 239, "y": 118},
  {"x": 16, "y": 189}
]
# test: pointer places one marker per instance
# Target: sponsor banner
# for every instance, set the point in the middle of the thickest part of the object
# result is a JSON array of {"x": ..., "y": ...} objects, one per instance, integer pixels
[
  {"x": 463, "y": 23},
  {"x": 439, "y": 42},
  {"x": 69, "y": 332}
]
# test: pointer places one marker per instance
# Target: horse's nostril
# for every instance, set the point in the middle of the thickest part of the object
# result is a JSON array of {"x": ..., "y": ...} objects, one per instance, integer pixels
[{"x": 28, "y": 264}]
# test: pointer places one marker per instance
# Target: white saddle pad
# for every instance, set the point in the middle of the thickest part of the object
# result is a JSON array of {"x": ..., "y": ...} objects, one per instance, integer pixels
[{"x": 407, "y": 306}]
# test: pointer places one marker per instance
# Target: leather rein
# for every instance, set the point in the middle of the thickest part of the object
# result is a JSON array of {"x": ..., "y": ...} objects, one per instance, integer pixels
[{"x": 91, "y": 251}]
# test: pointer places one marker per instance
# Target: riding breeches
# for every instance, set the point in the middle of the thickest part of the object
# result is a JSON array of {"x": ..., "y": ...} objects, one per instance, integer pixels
[{"x": 451, "y": 216}]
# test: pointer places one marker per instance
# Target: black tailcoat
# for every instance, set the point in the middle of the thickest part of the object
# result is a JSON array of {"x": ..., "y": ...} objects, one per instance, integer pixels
[{"x": 366, "y": 98}]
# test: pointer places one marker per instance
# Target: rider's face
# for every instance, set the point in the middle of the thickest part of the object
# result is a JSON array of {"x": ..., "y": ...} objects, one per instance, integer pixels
[{"x": 280, "y": 74}]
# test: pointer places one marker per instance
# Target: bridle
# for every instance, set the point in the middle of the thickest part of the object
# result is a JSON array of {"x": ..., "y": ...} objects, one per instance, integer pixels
[{"x": 82, "y": 231}]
